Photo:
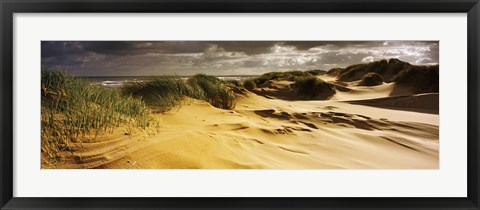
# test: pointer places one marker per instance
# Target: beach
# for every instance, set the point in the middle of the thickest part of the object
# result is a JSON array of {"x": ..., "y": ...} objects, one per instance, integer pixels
[{"x": 359, "y": 127}]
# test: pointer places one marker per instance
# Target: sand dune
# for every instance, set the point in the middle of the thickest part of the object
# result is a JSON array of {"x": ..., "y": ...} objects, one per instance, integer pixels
[
  {"x": 282, "y": 89},
  {"x": 273, "y": 133},
  {"x": 386, "y": 126}
]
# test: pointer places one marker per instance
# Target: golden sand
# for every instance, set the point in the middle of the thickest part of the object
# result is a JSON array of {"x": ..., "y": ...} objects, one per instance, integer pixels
[{"x": 380, "y": 127}]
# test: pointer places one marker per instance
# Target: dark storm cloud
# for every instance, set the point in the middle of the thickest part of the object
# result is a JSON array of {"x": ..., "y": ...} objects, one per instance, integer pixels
[
  {"x": 256, "y": 47},
  {"x": 54, "y": 48},
  {"x": 51, "y": 49},
  {"x": 225, "y": 57}
]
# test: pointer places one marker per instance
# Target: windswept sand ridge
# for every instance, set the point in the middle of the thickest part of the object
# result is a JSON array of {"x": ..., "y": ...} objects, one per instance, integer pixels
[
  {"x": 359, "y": 93},
  {"x": 272, "y": 133},
  {"x": 106, "y": 148},
  {"x": 427, "y": 102}
]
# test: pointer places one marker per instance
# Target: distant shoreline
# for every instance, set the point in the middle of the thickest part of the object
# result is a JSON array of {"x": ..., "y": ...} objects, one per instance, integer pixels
[
  {"x": 94, "y": 77},
  {"x": 117, "y": 81}
]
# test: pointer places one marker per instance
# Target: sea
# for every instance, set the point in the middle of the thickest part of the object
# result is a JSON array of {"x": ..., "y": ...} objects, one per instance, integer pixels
[{"x": 117, "y": 81}]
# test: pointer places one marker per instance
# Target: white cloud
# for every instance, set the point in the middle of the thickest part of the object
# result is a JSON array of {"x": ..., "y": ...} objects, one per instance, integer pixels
[
  {"x": 368, "y": 59},
  {"x": 280, "y": 48},
  {"x": 214, "y": 51},
  {"x": 423, "y": 61}
]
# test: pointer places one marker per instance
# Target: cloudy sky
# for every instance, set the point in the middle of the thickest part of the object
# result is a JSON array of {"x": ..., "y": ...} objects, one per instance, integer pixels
[{"x": 144, "y": 58}]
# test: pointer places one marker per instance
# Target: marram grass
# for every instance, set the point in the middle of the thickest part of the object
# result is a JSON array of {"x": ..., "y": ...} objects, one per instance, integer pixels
[
  {"x": 163, "y": 93},
  {"x": 75, "y": 110},
  {"x": 312, "y": 86}
]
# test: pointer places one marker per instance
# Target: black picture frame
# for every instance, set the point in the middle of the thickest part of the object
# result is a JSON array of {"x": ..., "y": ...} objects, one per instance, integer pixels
[{"x": 9, "y": 7}]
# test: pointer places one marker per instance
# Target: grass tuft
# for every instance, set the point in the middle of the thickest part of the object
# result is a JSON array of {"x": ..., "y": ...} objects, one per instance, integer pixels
[
  {"x": 215, "y": 91},
  {"x": 163, "y": 93},
  {"x": 233, "y": 83},
  {"x": 249, "y": 85}
]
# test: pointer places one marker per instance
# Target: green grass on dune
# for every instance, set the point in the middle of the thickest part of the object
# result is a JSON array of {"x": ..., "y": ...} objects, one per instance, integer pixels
[
  {"x": 422, "y": 79},
  {"x": 312, "y": 86},
  {"x": 288, "y": 75},
  {"x": 386, "y": 68},
  {"x": 418, "y": 78},
  {"x": 316, "y": 72},
  {"x": 75, "y": 110},
  {"x": 163, "y": 93},
  {"x": 334, "y": 71},
  {"x": 249, "y": 85},
  {"x": 215, "y": 91},
  {"x": 233, "y": 83},
  {"x": 306, "y": 83},
  {"x": 371, "y": 79}
]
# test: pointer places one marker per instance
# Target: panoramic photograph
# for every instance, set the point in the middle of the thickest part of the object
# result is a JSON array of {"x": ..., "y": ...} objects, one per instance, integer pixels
[{"x": 240, "y": 104}]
